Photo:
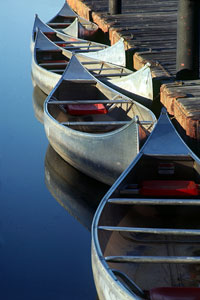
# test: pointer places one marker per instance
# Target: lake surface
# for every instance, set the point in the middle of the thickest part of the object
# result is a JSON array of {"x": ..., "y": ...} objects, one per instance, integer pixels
[{"x": 46, "y": 206}]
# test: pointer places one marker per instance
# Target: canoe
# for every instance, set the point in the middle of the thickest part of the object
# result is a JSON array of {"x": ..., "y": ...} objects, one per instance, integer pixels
[
  {"x": 145, "y": 232},
  {"x": 66, "y": 16},
  {"x": 63, "y": 20},
  {"x": 73, "y": 190},
  {"x": 93, "y": 127},
  {"x": 49, "y": 62},
  {"x": 75, "y": 29}
]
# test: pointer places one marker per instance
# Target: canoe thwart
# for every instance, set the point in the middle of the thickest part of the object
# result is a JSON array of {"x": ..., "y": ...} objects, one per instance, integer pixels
[
  {"x": 110, "y": 74},
  {"x": 71, "y": 42},
  {"x": 62, "y": 102},
  {"x": 96, "y": 123},
  {"x": 103, "y": 123},
  {"x": 95, "y": 47},
  {"x": 152, "y": 230},
  {"x": 154, "y": 259},
  {"x": 51, "y": 24},
  {"x": 149, "y": 201}
]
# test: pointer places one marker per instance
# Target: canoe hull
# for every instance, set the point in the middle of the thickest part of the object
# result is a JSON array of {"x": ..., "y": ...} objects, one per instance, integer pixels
[
  {"x": 101, "y": 156},
  {"x": 106, "y": 287},
  {"x": 44, "y": 79}
]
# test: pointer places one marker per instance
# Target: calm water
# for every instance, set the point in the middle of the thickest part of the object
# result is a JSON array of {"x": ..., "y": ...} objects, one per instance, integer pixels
[{"x": 44, "y": 215}]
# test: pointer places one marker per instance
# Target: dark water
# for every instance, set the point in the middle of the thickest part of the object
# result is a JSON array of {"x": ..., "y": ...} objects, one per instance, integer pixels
[{"x": 46, "y": 206}]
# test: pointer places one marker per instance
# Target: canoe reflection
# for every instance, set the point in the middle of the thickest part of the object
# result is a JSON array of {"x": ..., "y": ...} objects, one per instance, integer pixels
[
  {"x": 38, "y": 98},
  {"x": 76, "y": 192}
]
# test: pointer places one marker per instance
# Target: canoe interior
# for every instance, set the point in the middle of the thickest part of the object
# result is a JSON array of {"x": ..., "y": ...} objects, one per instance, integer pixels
[
  {"x": 60, "y": 22},
  {"x": 72, "y": 44},
  {"x": 51, "y": 54},
  {"x": 53, "y": 60},
  {"x": 152, "y": 275},
  {"x": 75, "y": 90},
  {"x": 52, "y": 36},
  {"x": 102, "y": 70}
]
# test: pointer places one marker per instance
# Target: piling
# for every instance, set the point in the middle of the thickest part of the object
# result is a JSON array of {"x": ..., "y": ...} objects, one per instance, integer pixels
[
  {"x": 115, "y": 7},
  {"x": 187, "y": 56}
]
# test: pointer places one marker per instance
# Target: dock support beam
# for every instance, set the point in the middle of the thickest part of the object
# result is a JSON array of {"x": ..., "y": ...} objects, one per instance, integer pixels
[
  {"x": 115, "y": 7},
  {"x": 187, "y": 55}
]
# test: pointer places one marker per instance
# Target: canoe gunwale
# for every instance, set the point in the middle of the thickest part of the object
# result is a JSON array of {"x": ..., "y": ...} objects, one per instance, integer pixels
[{"x": 100, "y": 259}]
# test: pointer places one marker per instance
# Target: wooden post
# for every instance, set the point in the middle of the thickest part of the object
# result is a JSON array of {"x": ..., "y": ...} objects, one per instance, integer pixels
[
  {"x": 115, "y": 7},
  {"x": 187, "y": 53}
]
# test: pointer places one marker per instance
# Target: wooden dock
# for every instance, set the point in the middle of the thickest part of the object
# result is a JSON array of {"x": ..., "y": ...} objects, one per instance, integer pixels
[{"x": 149, "y": 29}]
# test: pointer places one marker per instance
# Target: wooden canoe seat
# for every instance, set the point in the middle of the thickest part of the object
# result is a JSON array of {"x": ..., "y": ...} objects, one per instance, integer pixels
[
  {"x": 175, "y": 293},
  {"x": 86, "y": 109},
  {"x": 169, "y": 188}
]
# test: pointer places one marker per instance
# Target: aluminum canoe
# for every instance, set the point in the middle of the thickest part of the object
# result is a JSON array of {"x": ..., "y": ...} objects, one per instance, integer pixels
[
  {"x": 145, "y": 232},
  {"x": 49, "y": 62},
  {"x": 62, "y": 22},
  {"x": 71, "y": 45},
  {"x": 75, "y": 29},
  {"x": 100, "y": 145}
]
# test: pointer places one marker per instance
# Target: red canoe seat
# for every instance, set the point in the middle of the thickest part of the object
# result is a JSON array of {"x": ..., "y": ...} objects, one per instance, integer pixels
[
  {"x": 86, "y": 109},
  {"x": 175, "y": 293},
  {"x": 169, "y": 188}
]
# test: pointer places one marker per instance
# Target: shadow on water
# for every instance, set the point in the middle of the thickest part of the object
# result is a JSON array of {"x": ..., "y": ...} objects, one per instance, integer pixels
[
  {"x": 38, "y": 99},
  {"x": 76, "y": 192}
]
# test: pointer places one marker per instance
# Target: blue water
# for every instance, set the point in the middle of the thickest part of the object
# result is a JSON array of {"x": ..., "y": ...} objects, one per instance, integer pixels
[{"x": 44, "y": 250}]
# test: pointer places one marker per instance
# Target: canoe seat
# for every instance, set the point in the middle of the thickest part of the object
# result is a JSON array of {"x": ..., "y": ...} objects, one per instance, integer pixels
[
  {"x": 86, "y": 109},
  {"x": 169, "y": 188},
  {"x": 175, "y": 293}
]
